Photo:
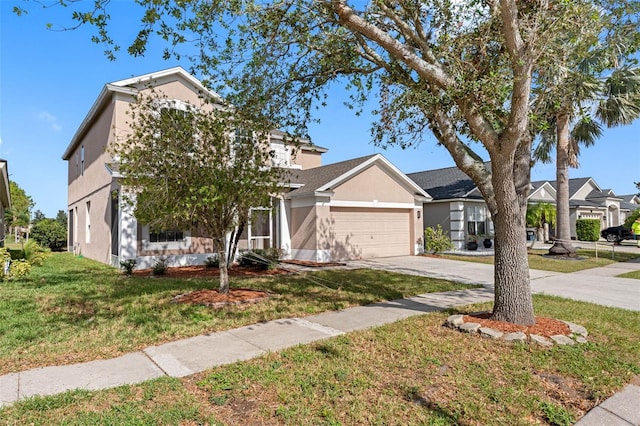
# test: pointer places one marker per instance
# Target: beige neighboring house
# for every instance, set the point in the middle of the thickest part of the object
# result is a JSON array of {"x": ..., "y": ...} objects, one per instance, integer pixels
[
  {"x": 5, "y": 197},
  {"x": 358, "y": 208}
]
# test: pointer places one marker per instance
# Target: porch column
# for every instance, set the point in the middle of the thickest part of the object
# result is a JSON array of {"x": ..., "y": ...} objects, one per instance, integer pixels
[
  {"x": 283, "y": 225},
  {"x": 128, "y": 231},
  {"x": 456, "y": 219}
]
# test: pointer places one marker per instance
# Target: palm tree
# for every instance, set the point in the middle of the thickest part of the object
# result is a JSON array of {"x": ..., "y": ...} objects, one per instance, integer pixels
[
  {"x": 596, "y": 102},
  {"x": 539, "y": 215}
]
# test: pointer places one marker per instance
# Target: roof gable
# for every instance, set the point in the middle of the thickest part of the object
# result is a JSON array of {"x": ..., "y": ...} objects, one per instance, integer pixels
[{"x": 325, "y": 178}]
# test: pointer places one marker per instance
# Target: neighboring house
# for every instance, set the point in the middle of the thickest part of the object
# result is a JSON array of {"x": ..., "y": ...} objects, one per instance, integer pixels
[
  {"x": 358, "y": 208},
  {"x": 459, "y": 208},
  {"x": 5, "y": 197}
]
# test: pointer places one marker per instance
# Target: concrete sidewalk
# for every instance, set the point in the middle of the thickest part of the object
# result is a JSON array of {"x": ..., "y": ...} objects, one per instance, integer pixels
[{"x": 196, "y": 354}]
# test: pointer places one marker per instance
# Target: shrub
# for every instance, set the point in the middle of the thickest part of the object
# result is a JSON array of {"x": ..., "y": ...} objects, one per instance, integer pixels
[
  {"x": 33, "y": 253},
  {"x": 436, "y": 240},
  {"x": 19, "y": 269},
  {"x": 632, "y": 218},
  {"x": 50, "y": 233},
  {"x": 212, "y": 261},
  {"x": 588, "y": 229},
  {"x": 159, "y": 267},
  {"x": 128, "y": 265}
]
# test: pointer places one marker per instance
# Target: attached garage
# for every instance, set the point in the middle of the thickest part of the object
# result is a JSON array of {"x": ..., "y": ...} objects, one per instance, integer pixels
[
  {"x": 357, "y": 209},
  {"x": 367, "y": 233}
]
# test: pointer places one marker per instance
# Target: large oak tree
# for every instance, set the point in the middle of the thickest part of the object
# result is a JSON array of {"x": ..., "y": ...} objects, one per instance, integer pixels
[{"x": 461, "y": 70}]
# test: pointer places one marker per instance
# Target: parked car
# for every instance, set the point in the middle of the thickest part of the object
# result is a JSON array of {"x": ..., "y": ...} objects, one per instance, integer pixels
[{"x": 615, "y": 234}]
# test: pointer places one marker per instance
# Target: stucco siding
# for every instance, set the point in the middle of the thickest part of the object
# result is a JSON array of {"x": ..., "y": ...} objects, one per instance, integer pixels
[
  {"x": 307, "y": 159},
  {"x": 303, "y": 228},
  {"x": 373, "y": 184}
]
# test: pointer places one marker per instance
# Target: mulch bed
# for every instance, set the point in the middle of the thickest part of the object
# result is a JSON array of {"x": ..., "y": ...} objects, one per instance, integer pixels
[
  {"x": 215, "y": 299},
  {"x": 312, "y": 264},
  {"x": 546, "y": 327},
  {"x": 197, "y": 271}
]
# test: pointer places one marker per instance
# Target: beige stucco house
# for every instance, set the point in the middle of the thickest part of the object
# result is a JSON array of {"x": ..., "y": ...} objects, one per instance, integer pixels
[{"x": 363, "y": 207}]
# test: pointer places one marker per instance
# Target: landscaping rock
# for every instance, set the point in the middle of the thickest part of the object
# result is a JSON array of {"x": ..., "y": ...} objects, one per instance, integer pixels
[
  {"x": 469, "y": 327},
  {"x": 581, "y": 339},
  {"x": 576, "y": 329},
  {"x": 455, "y": 320},
  {"x": 518, "y": 336},
  {"x": 490, "y": 332},
  {"x": 563, "y": 340},
  {"x": 540, "y": 340}
]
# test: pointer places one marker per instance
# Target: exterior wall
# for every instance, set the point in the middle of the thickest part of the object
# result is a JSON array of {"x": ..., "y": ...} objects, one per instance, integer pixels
[
  {"x": 303, "y": 232},
  {"x": 92, "y": 185},
  {"x": 437, "y": 213},
  {"x": 307, "y": 159},
  {"x": 373, "y": 185},
  {"x": 583, "y": 192},
  {"x": 542, "y": 195}
]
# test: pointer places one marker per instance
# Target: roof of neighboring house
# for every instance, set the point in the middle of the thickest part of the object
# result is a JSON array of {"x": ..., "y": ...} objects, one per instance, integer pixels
[
  {"x": 631, "y": 198},
  {"x": 325, "y": 178},
  {"x": 441, "y": 184},
  {"x": 624, "y": 205},
  {"x": 129, "y": 87}
]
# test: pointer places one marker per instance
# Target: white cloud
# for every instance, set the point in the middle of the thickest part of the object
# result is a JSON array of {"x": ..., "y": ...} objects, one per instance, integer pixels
[{"x": 49, "y": 118}]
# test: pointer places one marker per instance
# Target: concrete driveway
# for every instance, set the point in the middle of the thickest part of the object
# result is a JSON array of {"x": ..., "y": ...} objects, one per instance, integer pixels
[{"x": 597, "y": 285}]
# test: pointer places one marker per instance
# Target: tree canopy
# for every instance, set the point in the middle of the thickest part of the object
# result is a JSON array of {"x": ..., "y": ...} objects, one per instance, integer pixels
[{"x": 461, "y": 70}]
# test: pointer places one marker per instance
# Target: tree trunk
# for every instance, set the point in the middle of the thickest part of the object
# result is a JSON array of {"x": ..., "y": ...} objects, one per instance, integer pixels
[
  {"x": 512, "y": 300},
  {"x": 562, "y": 245},
  {"x": 224, "y": 271}
]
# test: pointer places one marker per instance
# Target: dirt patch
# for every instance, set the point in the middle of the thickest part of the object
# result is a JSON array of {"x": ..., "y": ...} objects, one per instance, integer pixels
[
  {"x": 546, "y": 327},
  {"x": 198, "y": 271},
  {"x": 215, "y": 299}
]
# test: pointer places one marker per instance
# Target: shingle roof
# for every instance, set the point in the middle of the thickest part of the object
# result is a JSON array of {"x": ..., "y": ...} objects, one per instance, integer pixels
[
  {"x": 441, "y": 184},
  {"x": 314, "y": 178}
]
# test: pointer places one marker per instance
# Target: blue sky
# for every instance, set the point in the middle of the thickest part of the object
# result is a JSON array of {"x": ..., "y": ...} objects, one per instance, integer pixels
[{"x": 50, "y": 79}]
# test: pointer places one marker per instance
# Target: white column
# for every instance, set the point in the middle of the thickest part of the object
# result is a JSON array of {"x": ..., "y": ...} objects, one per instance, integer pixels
[
  {"x": 283, "y": 225},
  {"x": 128, "y": 230}
]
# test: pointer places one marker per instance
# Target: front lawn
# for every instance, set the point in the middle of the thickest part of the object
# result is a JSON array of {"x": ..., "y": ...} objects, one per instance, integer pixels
[
  {"x": 413, "y": 371},
  {"x": 538, "y": 259},
  {"x": 73, "y": 309}
]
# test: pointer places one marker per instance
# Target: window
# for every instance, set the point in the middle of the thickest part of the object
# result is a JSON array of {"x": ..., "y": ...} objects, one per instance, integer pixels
[
  {"x": 88, "y": 222},
  {"x": 166, "y": 236},
  {"x": 476, "y": 220},
  {"x": 82, "y": 160},
  {"x": 261, "y": 223},
  {"x": 166, "y": 239}
]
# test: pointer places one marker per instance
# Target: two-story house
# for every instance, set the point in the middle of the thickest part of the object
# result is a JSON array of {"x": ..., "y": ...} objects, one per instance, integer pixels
[{"x": 363, "y": 207}]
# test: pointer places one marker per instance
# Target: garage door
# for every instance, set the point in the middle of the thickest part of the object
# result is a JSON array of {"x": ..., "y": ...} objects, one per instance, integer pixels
[{"x": 366, "y": 233}]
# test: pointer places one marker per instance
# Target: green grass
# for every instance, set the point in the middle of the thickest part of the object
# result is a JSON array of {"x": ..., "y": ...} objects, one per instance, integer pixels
[
  {"x": 632, "y": 274},
  {"x": 75, "y": 309},
  {"x": 538, "y": 260},
  {"x": 411, "y": 372}
]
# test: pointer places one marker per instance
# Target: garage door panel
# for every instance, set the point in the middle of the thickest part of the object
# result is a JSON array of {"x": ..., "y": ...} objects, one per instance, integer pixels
[{"x": 362, "y": 233}]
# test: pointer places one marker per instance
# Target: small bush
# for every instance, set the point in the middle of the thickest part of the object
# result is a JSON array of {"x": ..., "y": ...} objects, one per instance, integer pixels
[
  {"x": 212, "y": 261},
  {"x": 128, "y": 265},
  {"x": 19, "y": 269},
  {"x": 436, "y": 240},
  {"x": 33, "y": 253},
  {"x": 588, "y": 229},
  {"x": 632, "y": 218},
  {"x": 159, "y": 267}
]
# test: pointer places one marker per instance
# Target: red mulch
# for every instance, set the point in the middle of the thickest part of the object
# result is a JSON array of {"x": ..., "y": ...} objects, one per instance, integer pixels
[
  {"x": 202, "y": 271},
  {"x": 236, "y": 296},
  {"x": 312, "y": 264},
  {"x": 546, "y": 327}
]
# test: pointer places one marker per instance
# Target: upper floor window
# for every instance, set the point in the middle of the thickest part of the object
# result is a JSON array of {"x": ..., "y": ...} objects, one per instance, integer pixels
[{"x": 82, "y": 160}]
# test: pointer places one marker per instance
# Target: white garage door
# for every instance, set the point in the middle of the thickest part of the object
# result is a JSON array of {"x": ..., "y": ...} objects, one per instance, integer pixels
[{"x": 366, "y": 233}]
